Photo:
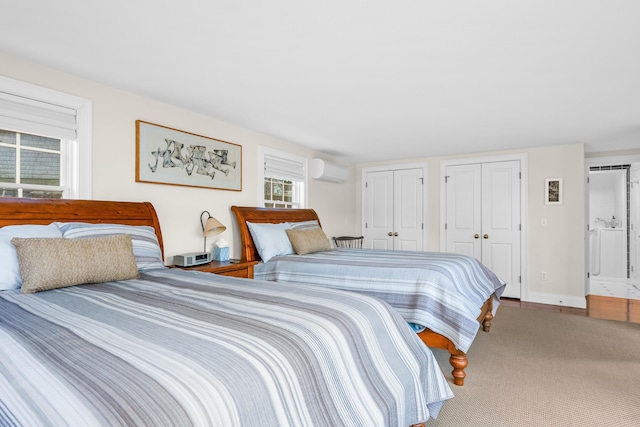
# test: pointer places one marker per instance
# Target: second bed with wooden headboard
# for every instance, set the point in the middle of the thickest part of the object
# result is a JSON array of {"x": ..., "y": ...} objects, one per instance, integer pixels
[{"x": 445, "y": 297}]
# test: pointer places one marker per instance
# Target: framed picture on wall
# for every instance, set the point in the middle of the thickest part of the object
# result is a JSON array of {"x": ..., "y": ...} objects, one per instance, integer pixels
[
  {"x": 169, "y": 156},
  {"x": 553, "y": 191}
]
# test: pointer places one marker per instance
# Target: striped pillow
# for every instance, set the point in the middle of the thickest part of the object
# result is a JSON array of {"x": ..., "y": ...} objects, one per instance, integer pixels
[
  {"x": 145, "y": 243},
  {"x": 304, "y": 225}
]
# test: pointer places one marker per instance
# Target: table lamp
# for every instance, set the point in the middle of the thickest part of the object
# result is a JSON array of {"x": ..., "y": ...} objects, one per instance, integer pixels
[{"x": 210, "y": 227}]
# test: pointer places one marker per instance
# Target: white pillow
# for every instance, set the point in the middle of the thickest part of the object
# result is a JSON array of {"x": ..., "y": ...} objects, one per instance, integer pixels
[
  {"x": 145, "y": 242},
  {"x": 271, "y": 239},
  {"x": 9, "y": 268}
]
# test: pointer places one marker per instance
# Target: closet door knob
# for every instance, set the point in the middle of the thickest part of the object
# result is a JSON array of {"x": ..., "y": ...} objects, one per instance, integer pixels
[
  {"x": 389, "y": 234},
  {"x": 486, "y": 236},
  {"x": 477, "y": 236},
  {"x": 395, "y": 234}
]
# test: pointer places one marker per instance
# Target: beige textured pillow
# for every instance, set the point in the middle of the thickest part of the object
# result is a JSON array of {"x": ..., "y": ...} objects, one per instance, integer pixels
[
  {"x": 308, "y": 241},
  {"x": 50, "y": 263}
]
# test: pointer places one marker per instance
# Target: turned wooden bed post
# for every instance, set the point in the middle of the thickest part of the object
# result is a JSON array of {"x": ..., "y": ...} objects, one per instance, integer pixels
[
  {"x": 488, "y": 316},
  {"x": 459, "y": 362},
  {"x": 457, "y": 358}
]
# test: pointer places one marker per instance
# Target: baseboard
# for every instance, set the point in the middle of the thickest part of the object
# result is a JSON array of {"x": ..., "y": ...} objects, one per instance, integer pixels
[{"x": 555, "y": 299}]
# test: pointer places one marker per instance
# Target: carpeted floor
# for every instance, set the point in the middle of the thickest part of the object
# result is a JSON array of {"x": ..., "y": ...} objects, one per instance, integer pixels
[{"x": 537, "y": 368}]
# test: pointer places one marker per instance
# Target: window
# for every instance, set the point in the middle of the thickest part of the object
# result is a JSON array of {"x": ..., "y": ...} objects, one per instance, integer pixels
[
  {"x": 280, "y": 193},
  {"x": 30, "y": 166},
  {"x": 45, "y": 142},
  {"x": 284, "y": 179}
]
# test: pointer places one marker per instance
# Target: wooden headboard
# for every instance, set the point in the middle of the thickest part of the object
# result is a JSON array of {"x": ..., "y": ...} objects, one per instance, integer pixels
[
  {"x": 265, "y": 215},
  {"x": 16, "y": 211}
]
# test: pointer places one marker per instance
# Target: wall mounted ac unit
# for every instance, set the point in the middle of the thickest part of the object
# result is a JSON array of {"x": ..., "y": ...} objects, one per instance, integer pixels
[{"x": 323, "y": 170}]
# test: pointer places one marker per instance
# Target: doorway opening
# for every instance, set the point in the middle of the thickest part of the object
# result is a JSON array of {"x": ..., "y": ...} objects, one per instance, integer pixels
[
  {"x": 609, "y": 219},
  {"x": 613, "y": 239}
]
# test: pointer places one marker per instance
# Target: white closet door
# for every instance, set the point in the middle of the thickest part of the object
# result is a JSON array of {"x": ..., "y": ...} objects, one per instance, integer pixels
[
  {"x": 464, "y": 210},
  {"x": 408, "y": 217},
  {"x": 394, "y": 210},
  {"x": 501, "y": 222},
  {"x": 483, "y": 217},
  {"x": 379, "y": 210}
]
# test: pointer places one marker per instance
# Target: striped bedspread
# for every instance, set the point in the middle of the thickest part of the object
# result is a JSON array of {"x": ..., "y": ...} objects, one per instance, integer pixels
[
  {"x": 177, "y": 348},
  {"x": 442, "y": 291}
]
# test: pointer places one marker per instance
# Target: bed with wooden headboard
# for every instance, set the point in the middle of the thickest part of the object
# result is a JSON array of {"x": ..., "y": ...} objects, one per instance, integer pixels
[
  {"x": 175, "y": 347},
  {"x": 324, "y": 269},
  {"x": 15, "y": 211}
]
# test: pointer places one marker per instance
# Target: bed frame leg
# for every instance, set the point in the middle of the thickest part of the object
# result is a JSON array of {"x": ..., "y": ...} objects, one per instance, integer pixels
[
  {"x": 486, "y": 323},
  {"x": 459, "y": 361}
]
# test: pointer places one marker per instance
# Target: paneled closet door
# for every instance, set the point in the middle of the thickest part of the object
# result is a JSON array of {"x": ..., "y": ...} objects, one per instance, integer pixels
[
  {"x": 464, "y": 210},
  {"x": 408, "y": 217},
  {"x": 394, "y": 210},
  {"x": 501, "y": 222},
  {"x": 379, "y": 210},
  {"x": 483, "y": 217}
]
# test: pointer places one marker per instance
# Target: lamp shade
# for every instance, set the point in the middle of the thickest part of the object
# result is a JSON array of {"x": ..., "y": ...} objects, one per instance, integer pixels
[{"x": 213, "y": 227}]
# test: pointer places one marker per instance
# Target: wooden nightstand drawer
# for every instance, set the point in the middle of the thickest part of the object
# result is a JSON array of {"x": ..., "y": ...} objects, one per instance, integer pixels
[{"x": 225, "y": 268}]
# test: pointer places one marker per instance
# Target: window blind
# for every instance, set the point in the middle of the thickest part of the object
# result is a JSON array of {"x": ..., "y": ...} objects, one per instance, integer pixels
[
  {"x": 25, "y": 115},
  {"x": 284, "y": 168}
]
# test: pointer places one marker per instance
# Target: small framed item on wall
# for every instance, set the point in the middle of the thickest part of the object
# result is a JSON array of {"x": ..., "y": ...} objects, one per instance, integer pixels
[
  {"x": 169, "y": 156},
  {"x": 553, "y": 191}
]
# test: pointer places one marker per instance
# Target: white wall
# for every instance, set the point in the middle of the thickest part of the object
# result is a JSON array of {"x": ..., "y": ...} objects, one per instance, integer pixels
[
  {"x": 558, "y": 248},
  {"x": 179, "y": 208}
]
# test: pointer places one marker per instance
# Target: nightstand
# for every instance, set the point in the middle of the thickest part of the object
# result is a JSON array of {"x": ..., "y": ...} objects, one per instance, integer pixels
[{"x": 225, "y": 268}]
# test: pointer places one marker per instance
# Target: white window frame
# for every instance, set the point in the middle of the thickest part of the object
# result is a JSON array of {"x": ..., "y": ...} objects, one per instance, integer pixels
[
  {"x": 75, "y": 163},
  {"x": 300, "y": 187},
  {"x": 20, "y": 149}
]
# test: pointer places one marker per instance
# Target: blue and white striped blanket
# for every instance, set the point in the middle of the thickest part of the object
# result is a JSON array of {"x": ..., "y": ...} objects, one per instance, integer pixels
[
  {"x": 442, "y": 291},
  {"x": 177, "y": 348}
]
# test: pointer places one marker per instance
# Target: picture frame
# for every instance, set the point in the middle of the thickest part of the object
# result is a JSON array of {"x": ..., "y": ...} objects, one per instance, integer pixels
[
  {"x": 553, "y": 191},
  {"x": 170, "y": 156}
]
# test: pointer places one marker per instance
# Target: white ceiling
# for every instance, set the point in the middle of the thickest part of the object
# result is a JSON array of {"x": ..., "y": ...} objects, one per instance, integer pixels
[{"x": 364, "y": 80}]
